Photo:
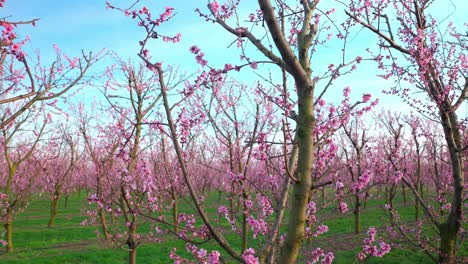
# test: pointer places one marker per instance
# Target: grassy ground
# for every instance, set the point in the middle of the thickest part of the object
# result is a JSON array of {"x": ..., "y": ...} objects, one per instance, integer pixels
[{"x": 69, "y": 242}]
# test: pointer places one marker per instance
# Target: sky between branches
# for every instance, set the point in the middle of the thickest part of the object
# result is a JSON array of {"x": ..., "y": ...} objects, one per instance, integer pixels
[{"x": 74, "y": 25}]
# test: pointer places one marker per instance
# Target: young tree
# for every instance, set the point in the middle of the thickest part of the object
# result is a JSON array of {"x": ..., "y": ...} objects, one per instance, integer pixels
[
  {"x": 101, "y": 144},
  {"x": 21, "y": 168},
  {"x": 293, "y": 56},
  {"x": 129, "y": 190},
  {"x": 60, "y": 157},
  {"x": 412, "y": 50},
  {"x": 355, "y": 162}
]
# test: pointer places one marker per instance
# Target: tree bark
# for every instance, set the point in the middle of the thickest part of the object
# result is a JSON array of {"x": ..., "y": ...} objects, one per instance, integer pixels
[
  {"x": 132, "y": 256},
  {"x": 66, "y": 201},
  {"x": 301, "y": 190},
  {"x": 9, "y": 233},
  {"x": 53, "y": 210},
  {"x": 357, "y": 214},
  {"x": 175, "y": 212},
  {"x": 449, "y": 229},
  {"x": 105, "y": 229}
]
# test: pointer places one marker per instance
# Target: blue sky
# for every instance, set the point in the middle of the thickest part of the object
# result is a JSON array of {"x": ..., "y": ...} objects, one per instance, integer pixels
[{"x": 86, "y": 24}]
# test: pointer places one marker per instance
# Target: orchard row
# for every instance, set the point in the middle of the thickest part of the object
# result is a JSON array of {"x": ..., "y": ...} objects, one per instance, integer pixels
[{"x": 160, "y": 137}]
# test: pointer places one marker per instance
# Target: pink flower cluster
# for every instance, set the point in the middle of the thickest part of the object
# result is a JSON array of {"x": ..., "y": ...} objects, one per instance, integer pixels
[
  {"x": 202, "y": 255},
  {"x": 3, "y": 242},
  {"x": 199, "y": 55},
  {"x": 321, "y": 229},
  {"x": 263, "y": 148},
  {"x": 311, "y": 210},
  {"x": 319, "y": 253},
  {"x": 214, "y": 6},
  {"x": 8, "y": 35},
  {"x": 343, "y": 207},
  {"x": 145, "y": 19},
  {"x": 362, "y": 182},
  {"x": 366, "y": 97},
  {"x": 249, "y": 256},
  {"x": 258, "y": 226},
  {"x": 186, "y": 122},
  {"x": 174, "y": 39},
  {"x": 265, "y": 205},
  {"x": 398, "y": 176},
  {"x": 223, "y": 211},
  {"x": 369, "y": 249}
]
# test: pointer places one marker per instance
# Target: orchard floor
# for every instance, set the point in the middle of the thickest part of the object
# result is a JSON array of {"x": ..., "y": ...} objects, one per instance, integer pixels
[{"x": 70, "y": 242}]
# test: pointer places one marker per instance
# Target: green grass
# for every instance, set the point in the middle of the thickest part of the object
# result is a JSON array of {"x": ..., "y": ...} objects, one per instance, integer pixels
[{"x": 69, "y": 242}]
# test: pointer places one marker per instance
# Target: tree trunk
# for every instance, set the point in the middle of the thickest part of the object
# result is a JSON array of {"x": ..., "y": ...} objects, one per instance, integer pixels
[
  {"x": 105, "y": 229},
  {"x": 323, "y": 195},
  {"x": 245, "y": 230},
  {"x": 9, "y": 209},
  {"x": 66, "y": 200},
  {"x": 416, "y": 208},
  {"x": 132, "y": 256},
  {"x": 421, "y": 192},
  {"x": 268, "y": 252},
  {"x": 447, "y": 243},
  {"x": 301, "y": 189},
  {"x": 386, "y": 195},
  {"x": 175, "y": 213},
  {"x": 53, "y": 210},
  {"x": 357, "y": 215},
  {"x": 366, "y": 198},
  {"x": 449, "y": 229},
  {"x": 403, "y": 191},
  {"x": 9, "y": 233}
]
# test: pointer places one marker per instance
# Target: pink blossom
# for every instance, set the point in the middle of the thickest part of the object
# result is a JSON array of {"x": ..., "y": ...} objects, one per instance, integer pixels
[
  {"x": 258, "y": 226},
  {"x": 398, "y": 176},
  {"x": 3, "y": 242},
  {"x": 328, "y": 258},
  {"x": 144, "y": 10},
  {"x": 254, "y": 65},
  {"x": 319, "y": 253},
  {"x": 362, "y": 182},
  {"x": 358, "y": 59},
  {"x": 370, "y": 249},
  {"x": 249, "y": 256},
  {"x": 201, "y": 253},
  {"x": 321, "y": 229},
  {"x": 339, "y": 185},
  {"x": 343, "y": 207},
  {"x": 213, "y": 257},
  {"x": 316, "y": 254},
  {"x": 214, "y": 7},
  {"x": 366, "y": 97},
  {"x": 446, "y": 206},
  {"x": 346, "y": 91}
]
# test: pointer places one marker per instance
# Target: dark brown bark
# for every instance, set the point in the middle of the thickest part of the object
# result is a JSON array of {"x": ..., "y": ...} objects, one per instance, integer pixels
[{"x": 53, "y": 210}]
